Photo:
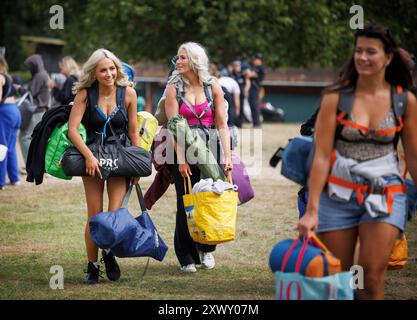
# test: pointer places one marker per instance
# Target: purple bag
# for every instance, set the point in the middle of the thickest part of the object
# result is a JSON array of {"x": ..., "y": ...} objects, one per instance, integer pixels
[{"x": 241, "y": 179}]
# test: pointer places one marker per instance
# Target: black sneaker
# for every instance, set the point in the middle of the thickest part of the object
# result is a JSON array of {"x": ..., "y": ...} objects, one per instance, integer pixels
[
  {"x": 112, "y": 268},
  {"x": 93, "y": 273}
]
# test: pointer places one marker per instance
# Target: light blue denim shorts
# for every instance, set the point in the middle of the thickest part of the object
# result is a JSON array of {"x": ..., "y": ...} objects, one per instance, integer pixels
[{"x": 337, "y": 215}]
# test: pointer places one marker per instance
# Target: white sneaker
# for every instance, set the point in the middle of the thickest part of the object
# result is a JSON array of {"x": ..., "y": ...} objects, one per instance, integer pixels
[
  {"x": 207, "y": 260},
  {"x": 189, "y": 268}
]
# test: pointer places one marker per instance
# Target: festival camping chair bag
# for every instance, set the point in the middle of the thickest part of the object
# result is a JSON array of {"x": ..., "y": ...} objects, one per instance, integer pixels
[
  {"x": 304, "y": 269},
  {"x": 125, "y": 235},
  {"x": 58, "y": 143},
  {"x": 211, "y": 218},
  {"x": 147, "y": 126}
]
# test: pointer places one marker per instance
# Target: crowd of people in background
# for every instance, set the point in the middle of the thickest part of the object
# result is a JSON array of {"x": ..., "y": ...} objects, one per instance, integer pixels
[{"x": 241, "y": 82}]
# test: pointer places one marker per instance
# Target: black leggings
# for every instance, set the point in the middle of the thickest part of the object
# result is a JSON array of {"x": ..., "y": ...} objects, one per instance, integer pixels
[{"x": 185, "y": 247}]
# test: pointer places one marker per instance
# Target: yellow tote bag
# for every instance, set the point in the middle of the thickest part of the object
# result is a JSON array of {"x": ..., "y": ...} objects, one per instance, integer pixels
[
  {"x": 211, "y": 218},
  {"x": 147, "y": 126}
]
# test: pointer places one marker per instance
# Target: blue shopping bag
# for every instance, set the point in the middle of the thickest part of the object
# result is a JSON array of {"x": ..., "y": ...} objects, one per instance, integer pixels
[
  {"x": 126, "y": 235},
  {"x": 294, "y": 286}
]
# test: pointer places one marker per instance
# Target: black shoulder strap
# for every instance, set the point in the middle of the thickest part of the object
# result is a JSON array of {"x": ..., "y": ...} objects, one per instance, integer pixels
[
  {"x": 346, "y": 99},
  {"x": 345, "y": 105},
  {"x": 92, "y": 95},
  {"x": 180, "y": 93},
  {"x": 121, "y": 94},
  {"x": 399, "y": 106},
  {"x": 399, "y": 101},
  {"x": 92, "y": 100},
  {"x": 121, "y": 103}
]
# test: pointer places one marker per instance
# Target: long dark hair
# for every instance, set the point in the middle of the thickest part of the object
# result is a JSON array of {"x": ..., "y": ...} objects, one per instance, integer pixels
[{"x": 396, "y": 73}]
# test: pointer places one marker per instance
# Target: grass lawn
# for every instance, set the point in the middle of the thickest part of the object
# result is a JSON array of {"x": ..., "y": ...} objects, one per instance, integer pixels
[{"x": 42, "y": 226}]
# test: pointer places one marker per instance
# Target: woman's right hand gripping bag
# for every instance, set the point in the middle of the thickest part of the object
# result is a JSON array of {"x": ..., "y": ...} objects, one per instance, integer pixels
[{"x": 305, "y": 269}]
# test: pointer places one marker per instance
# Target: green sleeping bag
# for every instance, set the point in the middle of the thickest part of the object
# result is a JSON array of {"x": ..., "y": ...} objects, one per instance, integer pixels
[{"x": 58, "y": 143}]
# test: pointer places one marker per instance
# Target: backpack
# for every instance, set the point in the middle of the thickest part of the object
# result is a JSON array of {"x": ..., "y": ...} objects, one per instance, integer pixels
[
  {"x": 58, "y": 143},
  {"x": 297, "y": 156},
  {"x": 147, "y": 125},
  {"x": 92, "y": 100},
  {"x": 228, "y": 98},
  {"x": 160, "y": 114},
  {"x": 160, "y": 110}
]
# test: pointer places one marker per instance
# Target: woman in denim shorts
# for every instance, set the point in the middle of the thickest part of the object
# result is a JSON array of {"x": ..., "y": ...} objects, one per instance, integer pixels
[{"x": 355, "y": 188}]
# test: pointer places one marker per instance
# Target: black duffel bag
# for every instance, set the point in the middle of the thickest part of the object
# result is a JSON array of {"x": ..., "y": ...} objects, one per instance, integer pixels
[{"x": 115, "y": 159}]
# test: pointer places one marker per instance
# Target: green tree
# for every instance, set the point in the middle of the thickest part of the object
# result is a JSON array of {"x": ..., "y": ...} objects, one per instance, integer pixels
[{"x": 287, "y": 32}]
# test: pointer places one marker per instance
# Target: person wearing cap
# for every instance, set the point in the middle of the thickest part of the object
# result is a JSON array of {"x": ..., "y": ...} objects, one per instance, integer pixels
[{"x": 256, "y": 76}]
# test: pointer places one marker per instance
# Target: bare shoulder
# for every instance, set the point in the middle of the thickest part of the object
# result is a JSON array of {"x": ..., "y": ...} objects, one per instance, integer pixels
[
  {"x": 81, "y": 96},
  {"x": 2, "y": 80},
  {"x": 330, "y": 101},
  {"x": 171, "y": 91},
  {"x": 411, "y": 98},
  {"x": 130, "y": 92},
  {"x": 216, "y": 87}
]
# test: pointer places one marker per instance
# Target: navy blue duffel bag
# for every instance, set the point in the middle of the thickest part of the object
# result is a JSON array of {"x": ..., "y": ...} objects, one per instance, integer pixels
[
  {"x": 125, "y": 235},
  {"x": 297, "y": 158}
]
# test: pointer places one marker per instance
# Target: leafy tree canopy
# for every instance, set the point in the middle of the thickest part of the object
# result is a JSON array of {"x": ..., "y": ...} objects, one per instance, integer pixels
[{"x": 286, "y": 32}]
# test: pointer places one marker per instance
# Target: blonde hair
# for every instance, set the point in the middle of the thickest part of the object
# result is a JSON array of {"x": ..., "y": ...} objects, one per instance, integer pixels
[
  {"x": 4, "y": 67},
  {"x": 87, "y": 76},
  {"x": 71, "y": 66},
  {"x": 198, "y": 62}
]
